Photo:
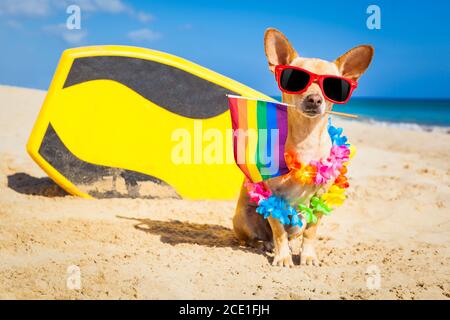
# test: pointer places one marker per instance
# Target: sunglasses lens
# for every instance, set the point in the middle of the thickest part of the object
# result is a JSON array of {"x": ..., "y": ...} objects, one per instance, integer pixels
[
  {"x": 293, "y": 80},
  {"x": 336, "y": 89}
]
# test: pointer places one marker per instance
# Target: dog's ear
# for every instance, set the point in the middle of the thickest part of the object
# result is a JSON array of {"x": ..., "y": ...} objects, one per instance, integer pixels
[
  {"x": 355, "y": 62},
  {"x": 278, "y": 49}
]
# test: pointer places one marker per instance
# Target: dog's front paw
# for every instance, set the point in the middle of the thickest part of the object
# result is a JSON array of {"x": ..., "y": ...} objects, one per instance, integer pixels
[
  {"x": 308, "y": 255},
  {"x": 283, "y": 260}
]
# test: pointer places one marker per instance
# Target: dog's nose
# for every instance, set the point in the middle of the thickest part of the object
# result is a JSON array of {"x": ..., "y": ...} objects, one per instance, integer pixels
[{"x": 313, "y": 101}]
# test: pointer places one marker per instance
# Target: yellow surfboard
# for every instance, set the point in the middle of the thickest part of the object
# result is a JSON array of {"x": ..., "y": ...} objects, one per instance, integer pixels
[{"x": 127, "y": 121}]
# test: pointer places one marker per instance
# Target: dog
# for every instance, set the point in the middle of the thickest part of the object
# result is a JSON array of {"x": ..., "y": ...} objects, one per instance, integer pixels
[{"x": 307, "y": 138}]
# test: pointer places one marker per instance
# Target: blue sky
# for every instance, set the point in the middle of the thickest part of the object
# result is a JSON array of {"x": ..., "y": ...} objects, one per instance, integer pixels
[{"x": 412, "y": 48}]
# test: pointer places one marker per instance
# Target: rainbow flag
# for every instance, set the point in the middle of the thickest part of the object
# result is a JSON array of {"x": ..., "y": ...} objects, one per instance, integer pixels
[{"x": 259, "y": 134}]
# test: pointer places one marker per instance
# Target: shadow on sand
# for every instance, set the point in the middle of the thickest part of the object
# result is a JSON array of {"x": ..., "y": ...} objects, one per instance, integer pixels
[
  {"x": 24, "y": 183},
  {"x": 177, "y": 232}
]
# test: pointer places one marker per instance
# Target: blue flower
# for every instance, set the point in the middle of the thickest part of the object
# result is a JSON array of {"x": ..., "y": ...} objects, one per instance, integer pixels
[
  {"x": 296, "y": 221},
  {"x": 279, "y": 209},
  {"x": 265, "y": 208},
  {"x": 335, "y": 136}
]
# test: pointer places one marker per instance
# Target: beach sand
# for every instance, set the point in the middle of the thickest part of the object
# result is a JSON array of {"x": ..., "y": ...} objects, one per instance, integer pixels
[{"x": 396, "y": 221}]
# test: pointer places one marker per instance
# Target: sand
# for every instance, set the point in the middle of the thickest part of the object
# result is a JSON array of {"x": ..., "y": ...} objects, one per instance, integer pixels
[{"x": 395, "y": 222}]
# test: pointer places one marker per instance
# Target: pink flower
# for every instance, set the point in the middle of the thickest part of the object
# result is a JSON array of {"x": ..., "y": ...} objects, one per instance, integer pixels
[
  {"x": 257, "y": 191},
  {"x": 335, "y": 165},
  {"x": 324, "y": 171},
  {"x": 340, "y": 153}
]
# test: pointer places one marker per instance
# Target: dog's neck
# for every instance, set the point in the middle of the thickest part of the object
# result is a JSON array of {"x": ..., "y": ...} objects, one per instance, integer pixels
[{"x": 307, "y": 137}]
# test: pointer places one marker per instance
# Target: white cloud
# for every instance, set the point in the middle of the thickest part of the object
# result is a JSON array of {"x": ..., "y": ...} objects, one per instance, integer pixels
[
  {"x": 186, "y": 26},
  {"x": 111, "y": 6},
  {"x": 72, "y": 37},
  {"x": 85, "y": 5},
  {"x": 144, "y": 17},
  {"x": 14, "y": 24},
  {"x": 30, "y": 8},
  {"x": 107, "y": 6},
  {"x": 144, "y": 35},
  {"x": 42, "y": 8},
  {"x": 10, "y": 10}
]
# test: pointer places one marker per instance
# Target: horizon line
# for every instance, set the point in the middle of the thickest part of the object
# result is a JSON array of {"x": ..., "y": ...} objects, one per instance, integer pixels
[{"x": 279, "y": 96}]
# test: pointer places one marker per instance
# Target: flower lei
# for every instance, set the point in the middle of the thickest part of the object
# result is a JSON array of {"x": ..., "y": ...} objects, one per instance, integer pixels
[
  {"x": 271, "y": 205},
  {"x": 319, "y": 173}
]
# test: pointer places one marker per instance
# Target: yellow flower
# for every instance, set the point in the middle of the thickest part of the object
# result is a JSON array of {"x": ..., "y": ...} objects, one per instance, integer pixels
[
  {"x": 334, "y": 197},
  {"x": 352, "y": 151},
  {"x": 306, "y": 174}
]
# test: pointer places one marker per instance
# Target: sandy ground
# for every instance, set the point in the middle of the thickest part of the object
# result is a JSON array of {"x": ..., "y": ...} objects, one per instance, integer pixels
[{"x": 397, "y": 221}]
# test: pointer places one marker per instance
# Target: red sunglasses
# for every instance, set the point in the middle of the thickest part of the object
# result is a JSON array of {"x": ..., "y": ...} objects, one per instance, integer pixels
[{"x": 296, "y": 80}]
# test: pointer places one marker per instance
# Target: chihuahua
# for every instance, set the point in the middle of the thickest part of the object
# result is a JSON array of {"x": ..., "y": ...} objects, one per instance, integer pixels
[{"x": 307, "y": 138}]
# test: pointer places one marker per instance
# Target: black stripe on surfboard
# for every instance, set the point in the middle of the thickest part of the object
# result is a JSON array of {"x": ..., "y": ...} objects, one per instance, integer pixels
[
  {"x": 171, "y": 88},
  {"x": 82, "y": 173}
]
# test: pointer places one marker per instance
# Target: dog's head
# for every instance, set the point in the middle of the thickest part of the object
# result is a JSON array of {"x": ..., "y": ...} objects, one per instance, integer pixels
[{"x": 312, "y": 102}]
